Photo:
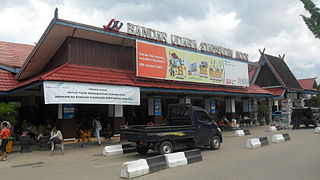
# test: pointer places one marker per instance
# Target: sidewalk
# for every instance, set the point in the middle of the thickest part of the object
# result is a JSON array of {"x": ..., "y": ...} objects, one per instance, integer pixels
[{"x": 73, "y": 151}]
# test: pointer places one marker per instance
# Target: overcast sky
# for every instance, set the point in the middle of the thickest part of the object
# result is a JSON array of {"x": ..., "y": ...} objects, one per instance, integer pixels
[{"x": 246, "y": 25}]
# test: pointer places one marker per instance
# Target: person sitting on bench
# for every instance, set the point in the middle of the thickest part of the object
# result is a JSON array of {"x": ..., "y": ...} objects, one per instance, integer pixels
[{"x": 56, "y": 136}]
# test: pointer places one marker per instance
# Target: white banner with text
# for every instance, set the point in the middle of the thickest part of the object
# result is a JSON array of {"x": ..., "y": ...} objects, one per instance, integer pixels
[{"x": 56, "y": 92}]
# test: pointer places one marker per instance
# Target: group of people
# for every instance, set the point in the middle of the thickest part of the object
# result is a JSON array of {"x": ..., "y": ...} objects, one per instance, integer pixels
[{"x": 226, "y": 124}]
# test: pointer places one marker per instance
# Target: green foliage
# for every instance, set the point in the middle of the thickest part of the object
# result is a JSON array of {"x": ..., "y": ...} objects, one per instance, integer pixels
[
  {"x": 313, "y": 22},
  {"x": 24, "y": 125},
  {"x": 9, "y": 112},
  {"x": 313, "y": 102},
  {"x": 263, "y": 110}
]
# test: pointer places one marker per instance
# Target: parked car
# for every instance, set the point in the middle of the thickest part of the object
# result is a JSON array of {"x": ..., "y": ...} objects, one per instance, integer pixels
[
  {"x": 188, "y": 126},
  {"x": 307, "y": 115}
]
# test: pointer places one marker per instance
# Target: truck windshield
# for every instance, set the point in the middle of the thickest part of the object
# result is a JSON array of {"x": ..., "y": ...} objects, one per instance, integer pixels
[
  {"x": 203, "y": 116},
  {"x": 179, "y": 111}
]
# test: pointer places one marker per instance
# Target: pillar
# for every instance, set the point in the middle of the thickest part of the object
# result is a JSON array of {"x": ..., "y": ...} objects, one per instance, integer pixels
[
  {"x": 115, "y": 114},
  {"x": 231, "y": 107}
]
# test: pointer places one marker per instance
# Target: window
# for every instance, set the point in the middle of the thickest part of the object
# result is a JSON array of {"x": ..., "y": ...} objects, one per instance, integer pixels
[{"x": 203, "y": 116}]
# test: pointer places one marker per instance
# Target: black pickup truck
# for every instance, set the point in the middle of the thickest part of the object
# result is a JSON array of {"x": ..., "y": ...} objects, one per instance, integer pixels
[{"x": 187, "y": 126}]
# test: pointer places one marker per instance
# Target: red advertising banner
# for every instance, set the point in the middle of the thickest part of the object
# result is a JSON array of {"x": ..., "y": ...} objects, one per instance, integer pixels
[{"x": 152, "y": 60}]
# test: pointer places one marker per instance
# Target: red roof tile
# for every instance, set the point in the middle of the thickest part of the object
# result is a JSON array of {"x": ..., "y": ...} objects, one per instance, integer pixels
[
  {"x": 90, "y": 74},
  {"x": 14, "y": 54},
  {"x": 7, "y": 80},
  {"x": 81, "y": 73},
  {"x": 275, "y": 91},
  {"x": 308, "y": 83}
]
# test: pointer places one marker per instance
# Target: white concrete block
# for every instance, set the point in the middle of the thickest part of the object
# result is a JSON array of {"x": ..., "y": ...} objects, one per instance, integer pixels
[
  {"x": 112, "y": 150},
  {"x": 277, "y": 138},
  {"x": 134, "y": 169},
  {"x": 253, "y": 143},
  {"x": 272, "y": 129},
  {"x": 317, "y": 130},
  {"x": 238, "y": 133},
  {"x": 176, "y": 159}
]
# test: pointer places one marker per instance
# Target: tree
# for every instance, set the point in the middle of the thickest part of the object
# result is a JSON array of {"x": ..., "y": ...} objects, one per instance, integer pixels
[
  {"x": 313, "y": 22},
  {"x": 9, "y": 112},
  {"x": 313, "y": 102}
]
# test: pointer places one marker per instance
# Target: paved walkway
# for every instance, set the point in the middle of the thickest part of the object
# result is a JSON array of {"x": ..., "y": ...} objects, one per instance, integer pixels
[{"x": 72, "y": 152}]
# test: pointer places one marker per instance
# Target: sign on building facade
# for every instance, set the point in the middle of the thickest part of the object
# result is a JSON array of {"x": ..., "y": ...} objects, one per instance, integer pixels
[
  {"x": 164, "y": 62},
  {"x": 57, "y": 92}
]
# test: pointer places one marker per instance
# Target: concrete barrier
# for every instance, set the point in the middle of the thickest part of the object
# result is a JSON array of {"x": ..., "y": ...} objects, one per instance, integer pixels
[
  {"x": 317, "y": 130},
  {"x": 247, "y": 132},
  {"x": 238, "y": 133},
  {"x": 142, "y": 167},
  {"x": 156, "y": 163},
  {"x": 272, "y": 129},
  {"x": 118, "y": 149},
  {"x": 176, "y": 159},
  {"x": 277, "y": 138},
  {"x": 253, "y": 143},
  {"x": 264, "y": 141},
  {"x": 286, "y": 137},
  {"x": 193, "y": 156},
  {"x": 134, "y": 169}
]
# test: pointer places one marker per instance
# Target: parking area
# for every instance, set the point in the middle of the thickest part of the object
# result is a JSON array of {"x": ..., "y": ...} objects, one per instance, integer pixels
[{"x": 295, "y": 159}]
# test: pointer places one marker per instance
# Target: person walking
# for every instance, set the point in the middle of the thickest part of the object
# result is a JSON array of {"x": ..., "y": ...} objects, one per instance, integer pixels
[
  {"x": 4, "y": 134},
  {"x": 97, "y": 128}
]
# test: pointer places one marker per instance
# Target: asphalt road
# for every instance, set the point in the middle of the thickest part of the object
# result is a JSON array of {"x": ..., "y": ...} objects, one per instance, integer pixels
[{"x": 293, "y": 160}]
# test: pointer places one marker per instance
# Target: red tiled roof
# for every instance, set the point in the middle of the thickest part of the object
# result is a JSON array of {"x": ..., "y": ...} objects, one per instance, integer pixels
[
  {"x": 7, "y": 80},
  {"x": 81, "y": 73},
  {"x": 276, "y": 91},
  {"x": 90, "y": 74},
  {"x": 307, "y": 83},
  {"x": 14, "y": 54}
]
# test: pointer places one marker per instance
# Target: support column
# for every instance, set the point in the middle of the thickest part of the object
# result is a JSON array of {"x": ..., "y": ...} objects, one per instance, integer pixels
[
  {"x": 115, "y": 113},
  {"x": 231, "y": 107}
]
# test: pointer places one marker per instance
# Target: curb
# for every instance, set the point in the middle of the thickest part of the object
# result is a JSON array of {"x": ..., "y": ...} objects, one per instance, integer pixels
[
  {"x": 142, "y": 167},
  {"x": 278, "y": 138},
  {"x": 317, "y": 130},
  {"x": 238, "y": 133},
  {"x": 118, "y": 149},
  {"x": 272, "y": 129},
  {"x": 257, "y": 142}
]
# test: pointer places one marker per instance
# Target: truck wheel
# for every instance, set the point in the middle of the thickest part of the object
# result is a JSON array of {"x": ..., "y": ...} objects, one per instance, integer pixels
[
  {"x": 165, "y": 147},
  {"x": 142, "y": 151},
  {"x": 215, "y": 142}
]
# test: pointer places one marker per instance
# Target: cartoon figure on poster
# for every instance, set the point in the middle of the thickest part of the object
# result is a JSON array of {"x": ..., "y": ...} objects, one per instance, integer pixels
[
  {"x": 203, "y": 69},
  {"x": 176, "y": 66},
  {"x": 216, "y": 70}
]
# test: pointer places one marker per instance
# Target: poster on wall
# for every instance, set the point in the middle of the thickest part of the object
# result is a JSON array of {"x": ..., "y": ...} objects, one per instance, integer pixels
[
  {"x": 213, "y": 106},
  {"x": 57, "y": 92},
  {"x": 68, "y": 111},
  {"x": 164, "y": 62},
  {"x": 157, "y": 107}
]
